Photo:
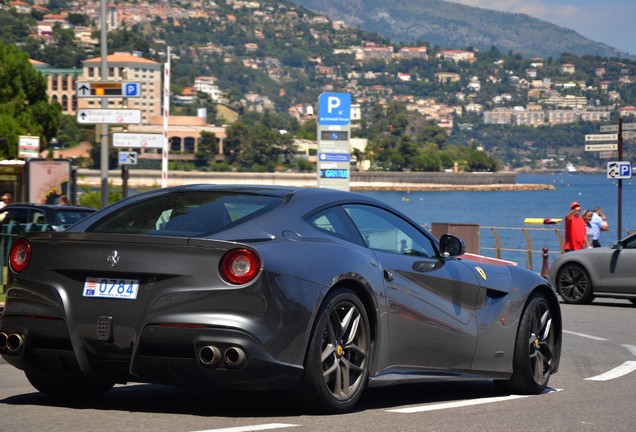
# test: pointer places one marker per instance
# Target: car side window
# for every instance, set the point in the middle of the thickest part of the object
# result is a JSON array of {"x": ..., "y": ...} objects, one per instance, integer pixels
[
  {"x": 630, "y": 243},
  {"x": 17, "y": 215},
  {"x": 38, "y": 217},
  {"x": 387, "y": 232},
  {"x": 335, "y": 222}
]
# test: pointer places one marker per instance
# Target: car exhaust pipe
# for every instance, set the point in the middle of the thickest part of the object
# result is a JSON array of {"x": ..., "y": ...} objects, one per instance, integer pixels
[
  {"x": 234, "y": 357},
  {"x": 15, "y": 342},
  {"x": 3, "y": 341},
  {"x": 209, "y": 355}
]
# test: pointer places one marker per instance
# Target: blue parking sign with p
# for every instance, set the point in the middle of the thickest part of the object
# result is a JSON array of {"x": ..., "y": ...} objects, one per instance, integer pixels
[
  {"x": 334, "y": 109},
  {"x": 131, "y": 89},
  {"x": 619, "y": 170}
]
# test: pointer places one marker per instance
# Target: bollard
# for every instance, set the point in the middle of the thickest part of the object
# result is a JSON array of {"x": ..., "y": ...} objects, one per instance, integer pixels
[{"x": 544, "y": 267}]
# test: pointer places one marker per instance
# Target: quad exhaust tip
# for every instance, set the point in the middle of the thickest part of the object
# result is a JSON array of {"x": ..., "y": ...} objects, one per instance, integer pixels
[
  {"x": 209, "y": 355},
  {"x": 233, "y": 357},
  {"x": 11, "y": 343}
]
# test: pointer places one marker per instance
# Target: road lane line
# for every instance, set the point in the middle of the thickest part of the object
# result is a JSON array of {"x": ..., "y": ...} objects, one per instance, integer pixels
[
  {"x": 448, "y": 405},
  {"x": 630, "y": 348},
  {"x": 617, "y": 372},
  {"x": 464, "y": 403},
  {"x": 584, "y": 335},
  {"x": 262, "y": 427}
]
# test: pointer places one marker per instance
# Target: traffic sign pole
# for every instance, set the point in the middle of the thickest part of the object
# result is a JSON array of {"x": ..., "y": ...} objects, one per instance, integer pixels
[{"x": 620, "y": 180}]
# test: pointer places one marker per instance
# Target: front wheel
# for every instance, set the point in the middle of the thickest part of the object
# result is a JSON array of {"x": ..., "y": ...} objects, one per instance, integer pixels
[
  {"x": 535, "y": 349},
  {"x": 337, "y": 362},
  {"x": 75, "y": 388},
  {"x": 574, "y": 285}
]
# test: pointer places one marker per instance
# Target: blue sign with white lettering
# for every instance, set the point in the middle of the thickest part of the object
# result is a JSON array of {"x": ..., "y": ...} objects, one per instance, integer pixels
[
  {"x": 334, "y": 109},
  {"x": 334, "y": 157},
  {"x": 131, "y": 89},
  {"x": 619, "y": 170}
]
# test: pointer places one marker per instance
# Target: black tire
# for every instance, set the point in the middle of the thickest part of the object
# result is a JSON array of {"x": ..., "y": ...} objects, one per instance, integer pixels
[
  {"x": 574, "y": 285},
  {"x": 71, "y": 388},
  {"x": 534, "y": 349},
  {"x": 337, "y": 361}
]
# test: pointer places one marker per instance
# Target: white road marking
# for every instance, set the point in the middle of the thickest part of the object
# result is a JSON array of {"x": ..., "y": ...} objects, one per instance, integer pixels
[
  {"x": 268, "y": 426},
  {"x": 584, "y": 335},
  {"x": 630, "y": 348},
  {"x": 458, "y": 404},
  {"x": 617, "y": 372}
]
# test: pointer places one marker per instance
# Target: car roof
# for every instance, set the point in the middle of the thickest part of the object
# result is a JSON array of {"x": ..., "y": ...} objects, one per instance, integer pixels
[{"x": 46, "y": 206}]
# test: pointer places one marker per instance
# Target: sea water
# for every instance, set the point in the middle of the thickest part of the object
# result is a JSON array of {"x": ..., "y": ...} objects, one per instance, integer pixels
[{"x": 506, "y": 211}]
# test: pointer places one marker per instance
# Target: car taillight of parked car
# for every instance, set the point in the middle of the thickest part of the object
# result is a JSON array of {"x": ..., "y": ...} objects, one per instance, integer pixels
[
  {"x": 20, "y": 255},
  {"x": 239, "y": 266}
]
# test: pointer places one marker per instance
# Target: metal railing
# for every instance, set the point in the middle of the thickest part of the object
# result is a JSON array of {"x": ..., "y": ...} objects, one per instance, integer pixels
[{"x": 548, "y": 240}]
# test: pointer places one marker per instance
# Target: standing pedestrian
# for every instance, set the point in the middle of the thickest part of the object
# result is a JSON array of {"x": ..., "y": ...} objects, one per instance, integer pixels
[
  {"x": 599, "y": 223},
  {"x": 7, "y": 198},
  {"x": 589, "y": 232},
  {"x": 575, "y": 229}
]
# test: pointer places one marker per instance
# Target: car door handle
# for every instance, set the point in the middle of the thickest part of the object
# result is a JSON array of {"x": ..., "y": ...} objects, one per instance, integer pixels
[{"x": 388, "y": 276}]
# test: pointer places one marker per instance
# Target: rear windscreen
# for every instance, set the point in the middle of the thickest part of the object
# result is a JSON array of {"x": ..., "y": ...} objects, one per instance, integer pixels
[{"x": 186, "y": 213}]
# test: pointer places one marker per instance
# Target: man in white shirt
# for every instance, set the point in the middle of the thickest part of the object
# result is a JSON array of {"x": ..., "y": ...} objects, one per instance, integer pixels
[{"x": 599, "y": 223}]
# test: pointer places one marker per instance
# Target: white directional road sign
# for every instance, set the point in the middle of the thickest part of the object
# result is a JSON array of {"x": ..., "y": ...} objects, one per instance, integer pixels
[
  {"x": 134, "y": 140},
  {"x": 601, "y": 137},
  {"x": 109, "y": 116},
  {"x": 619, "y": 170},
  {"x": 614, "y": 128},
  {"x": 629, "y": 135},
  {"x": 601, "y": 147}
]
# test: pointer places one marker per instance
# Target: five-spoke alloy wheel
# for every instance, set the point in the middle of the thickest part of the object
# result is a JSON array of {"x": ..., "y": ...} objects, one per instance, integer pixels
[
  {"x": 535, "y": 349},
  {"x": 337, "y": 364}
]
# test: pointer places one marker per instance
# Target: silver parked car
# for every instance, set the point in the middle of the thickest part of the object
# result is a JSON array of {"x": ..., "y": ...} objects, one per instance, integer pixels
[{"x": 581, "y": 275}]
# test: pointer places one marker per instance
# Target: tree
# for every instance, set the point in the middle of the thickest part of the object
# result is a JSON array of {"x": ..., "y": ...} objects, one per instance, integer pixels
[
  {"x": 24, "y": 106},
  {"x": 207, "y": 149}
]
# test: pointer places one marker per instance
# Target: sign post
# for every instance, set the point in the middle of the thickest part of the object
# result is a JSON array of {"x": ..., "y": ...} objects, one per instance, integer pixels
[
  {"x": 616, "y": 170},
  {"x": 334, "y": 147}
]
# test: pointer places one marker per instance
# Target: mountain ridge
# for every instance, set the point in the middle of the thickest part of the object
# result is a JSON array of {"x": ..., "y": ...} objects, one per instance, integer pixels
[{"x": 454, "y": 25}]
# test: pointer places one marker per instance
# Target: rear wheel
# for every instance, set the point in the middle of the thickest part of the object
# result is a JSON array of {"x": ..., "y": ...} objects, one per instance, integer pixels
[
  {"x": 534, "y": 350},
  {"x": 337, "y": 363},
  {"x": 76, "y": 388},
  {"x": 574, "y": 285}
]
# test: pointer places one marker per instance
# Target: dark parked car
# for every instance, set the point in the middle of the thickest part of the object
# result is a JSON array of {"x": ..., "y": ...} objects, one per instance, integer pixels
[
  {"x": 58, "y": 217},
  {"x": 581, "y": 275},
  {"x": 320, "y": 291}
]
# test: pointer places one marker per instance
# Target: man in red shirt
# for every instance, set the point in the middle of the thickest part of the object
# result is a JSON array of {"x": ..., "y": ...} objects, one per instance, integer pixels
[{"x": 575, "y": 236}]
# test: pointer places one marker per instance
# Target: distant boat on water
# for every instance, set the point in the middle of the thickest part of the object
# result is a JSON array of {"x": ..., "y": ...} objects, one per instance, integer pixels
[
  {"x": 542, "y": 221},
  {"x": 570, "y": 168}
]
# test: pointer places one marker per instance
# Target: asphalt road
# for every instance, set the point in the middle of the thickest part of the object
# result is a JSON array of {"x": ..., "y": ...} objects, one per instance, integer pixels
[{"x": 593, "y": 391}]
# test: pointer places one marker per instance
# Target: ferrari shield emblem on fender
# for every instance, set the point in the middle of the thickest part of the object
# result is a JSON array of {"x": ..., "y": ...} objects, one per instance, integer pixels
[{"x": 481, "y": 272}]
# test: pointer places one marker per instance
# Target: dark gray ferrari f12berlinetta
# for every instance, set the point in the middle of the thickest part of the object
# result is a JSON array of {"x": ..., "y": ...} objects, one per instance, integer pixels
[{"x": 318, "y": 291}]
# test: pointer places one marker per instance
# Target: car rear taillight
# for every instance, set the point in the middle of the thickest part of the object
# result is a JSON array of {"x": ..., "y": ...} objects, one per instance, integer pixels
[
  {"x": 19, "y": 255},
  {"x": 239, "y": 266}
]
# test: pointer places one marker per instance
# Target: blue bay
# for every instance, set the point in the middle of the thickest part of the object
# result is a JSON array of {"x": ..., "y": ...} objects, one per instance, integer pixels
[{"x": 506, "y": 210}]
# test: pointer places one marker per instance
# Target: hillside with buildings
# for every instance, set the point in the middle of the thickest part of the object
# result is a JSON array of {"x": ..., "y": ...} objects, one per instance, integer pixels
[{"x": 230, "y": 57}]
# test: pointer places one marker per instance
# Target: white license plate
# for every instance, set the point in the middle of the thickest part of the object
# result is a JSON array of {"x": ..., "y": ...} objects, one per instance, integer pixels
[{"x": 111, "y": 288}]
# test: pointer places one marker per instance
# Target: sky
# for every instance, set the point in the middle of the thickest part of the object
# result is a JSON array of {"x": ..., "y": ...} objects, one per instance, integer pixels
[{"x": 612, "y": 22}]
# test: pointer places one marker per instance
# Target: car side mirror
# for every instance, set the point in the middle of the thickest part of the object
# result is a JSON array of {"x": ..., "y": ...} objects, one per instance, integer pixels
[{"x": 450, "y": 245}]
